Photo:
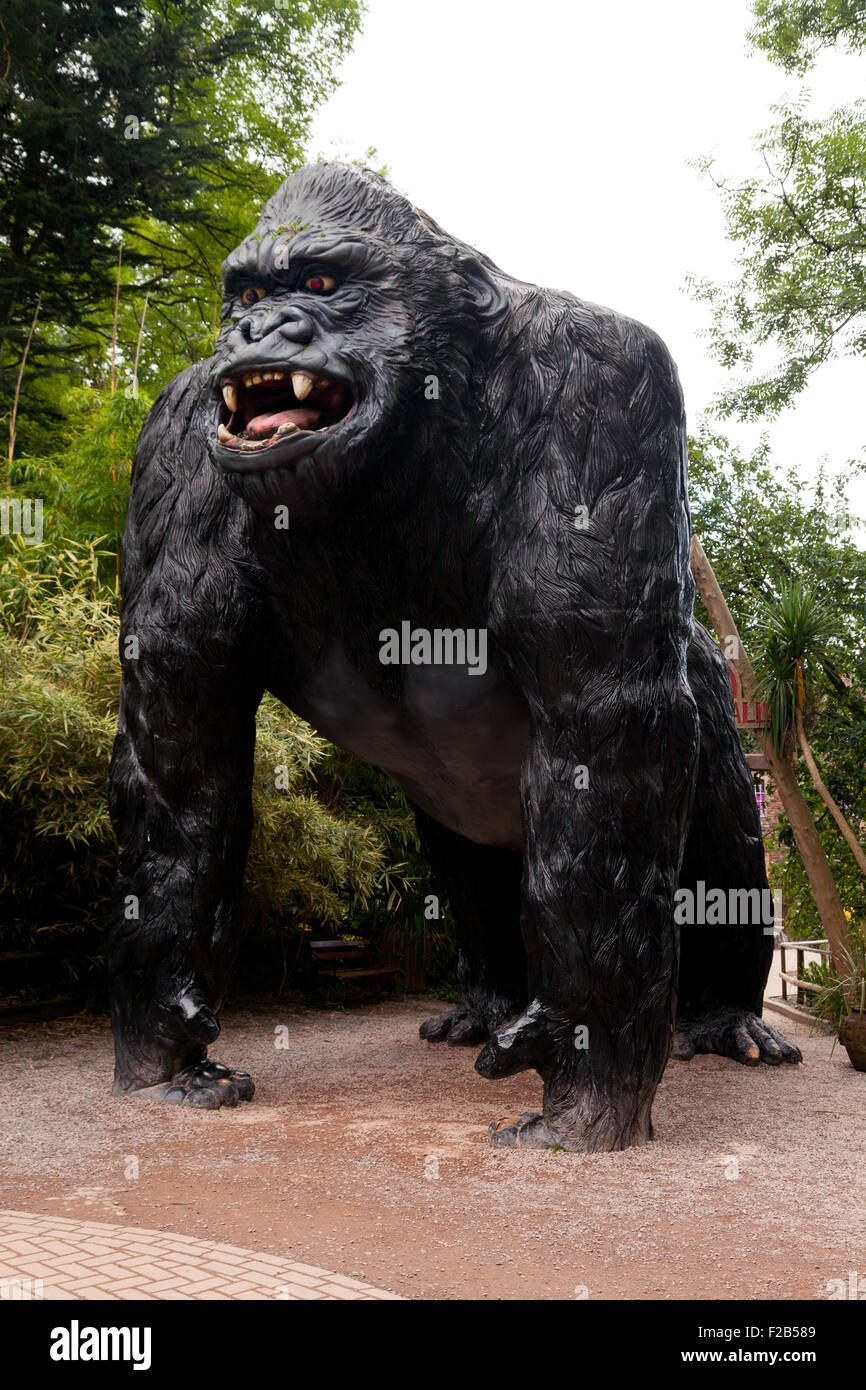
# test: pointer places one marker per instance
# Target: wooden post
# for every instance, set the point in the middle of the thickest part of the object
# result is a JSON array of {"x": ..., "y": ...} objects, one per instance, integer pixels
[{"x": 805, "y": 833}]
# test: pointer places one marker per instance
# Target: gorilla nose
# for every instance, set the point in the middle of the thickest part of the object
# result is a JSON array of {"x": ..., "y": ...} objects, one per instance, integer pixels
[
  {"x": 298, "y": 328},
  {"x": 291, "y": 323}
]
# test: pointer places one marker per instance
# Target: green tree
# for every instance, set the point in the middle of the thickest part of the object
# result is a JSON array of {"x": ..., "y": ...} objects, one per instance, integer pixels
[
  {"x": 793, "y": 32},
  {"x": 182, "y": 279},
  {"x": 764, "y": 528},
  {"x": 766, "y": 533},
  {"x": 801, "y": 288},
  {"x": 154, "y": 117}
]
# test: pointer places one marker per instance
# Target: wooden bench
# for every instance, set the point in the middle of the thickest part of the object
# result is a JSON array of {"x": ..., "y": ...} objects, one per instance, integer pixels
[{"x": 351, "y": 960}]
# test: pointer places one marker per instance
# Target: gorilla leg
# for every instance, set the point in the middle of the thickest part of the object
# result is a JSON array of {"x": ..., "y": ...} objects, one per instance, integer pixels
[
  {"x": 599, "y": 881},
  {"x": 723, "y": 969},
  {"x": 482, "y": 884},
  {"x": 180, "y": 801}
]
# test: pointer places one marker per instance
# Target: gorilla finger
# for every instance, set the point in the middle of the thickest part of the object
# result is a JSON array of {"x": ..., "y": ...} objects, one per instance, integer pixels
[
  {"x": 226, "y": 1092},
  {"x": 435, "y": 1029},
  {"x": 243, "y": 1085},
  {"x": 213, "y": 1071},
  {"x": 203, "y": 1099},
  {"x": 682, "y": 1047},
  {"x": 789, "y": 1051},
  {"x": 745, "y": 1049},
  {"x": 771, "y": 1053},
  {"x": 467, "y": 1032}
]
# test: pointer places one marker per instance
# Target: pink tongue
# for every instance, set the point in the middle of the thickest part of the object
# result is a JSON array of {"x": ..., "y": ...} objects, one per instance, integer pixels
[{"x": 305, "y": 417}]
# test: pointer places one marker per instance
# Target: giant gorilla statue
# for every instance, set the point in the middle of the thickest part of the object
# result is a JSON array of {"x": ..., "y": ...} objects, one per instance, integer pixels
[{"x": 396, "y": 454}]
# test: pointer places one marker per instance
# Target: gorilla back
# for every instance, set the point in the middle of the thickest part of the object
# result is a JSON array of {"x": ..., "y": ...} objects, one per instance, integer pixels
[{"x": 442, "y": 514}]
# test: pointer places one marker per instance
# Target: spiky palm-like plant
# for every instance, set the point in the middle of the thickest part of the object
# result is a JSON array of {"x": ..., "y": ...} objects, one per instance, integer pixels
[{"x": 799, "y": 635}]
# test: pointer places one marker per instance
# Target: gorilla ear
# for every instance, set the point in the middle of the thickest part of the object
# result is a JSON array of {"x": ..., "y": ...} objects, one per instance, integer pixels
[
  {"x": 477, "y": 271},
  {"x": 484, "y": 288}
]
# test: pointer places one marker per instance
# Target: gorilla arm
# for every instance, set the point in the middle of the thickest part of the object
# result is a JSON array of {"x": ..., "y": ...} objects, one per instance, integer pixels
[{"x": 181, "y": 770}]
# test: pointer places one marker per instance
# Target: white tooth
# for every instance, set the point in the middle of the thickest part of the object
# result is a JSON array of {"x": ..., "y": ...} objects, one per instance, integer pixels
[
  {"x": 230, "y": 396},
  {"x": 248, "y": 381},
  {"x": 302, "y": 384},
  {"x": 267, "y": 376},
  {"x": 287, "y": 427},
  {"x": 257, "y": 380},
  {"x": 278, "y": 376},
  {"x": 223, "y": 434}
]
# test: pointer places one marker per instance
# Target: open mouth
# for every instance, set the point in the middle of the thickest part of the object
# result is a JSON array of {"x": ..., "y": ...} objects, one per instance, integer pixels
[{"x": 265, "y": 405}]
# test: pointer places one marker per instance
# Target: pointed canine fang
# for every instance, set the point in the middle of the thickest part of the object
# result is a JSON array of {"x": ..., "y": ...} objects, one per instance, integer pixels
[
  {"x": 230, "y": 396},
  {"x": 302, "y": 384}
]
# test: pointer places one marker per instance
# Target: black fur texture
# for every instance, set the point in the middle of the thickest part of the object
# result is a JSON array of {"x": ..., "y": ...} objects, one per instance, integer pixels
[{"x": 484, "y": 455}]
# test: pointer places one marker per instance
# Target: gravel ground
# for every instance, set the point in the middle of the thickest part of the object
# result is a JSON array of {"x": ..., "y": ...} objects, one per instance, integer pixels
[{"x": 365, "y": 1151}]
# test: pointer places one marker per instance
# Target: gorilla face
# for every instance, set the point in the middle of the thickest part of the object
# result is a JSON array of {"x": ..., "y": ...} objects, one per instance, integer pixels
[
  {"x": 300, "y": 373},
  {"x": 334, "y": 309}
]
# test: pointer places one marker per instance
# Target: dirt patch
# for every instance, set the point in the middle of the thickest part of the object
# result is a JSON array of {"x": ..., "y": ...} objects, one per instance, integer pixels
[{"x": 366, "y": 1152}]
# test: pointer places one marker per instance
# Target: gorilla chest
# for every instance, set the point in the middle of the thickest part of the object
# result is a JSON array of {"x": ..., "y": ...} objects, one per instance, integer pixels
[{"x": 454, "y": 741}]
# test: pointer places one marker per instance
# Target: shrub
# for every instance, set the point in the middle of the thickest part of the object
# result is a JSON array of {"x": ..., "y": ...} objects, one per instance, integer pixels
[{"x": 332, "y": 842}]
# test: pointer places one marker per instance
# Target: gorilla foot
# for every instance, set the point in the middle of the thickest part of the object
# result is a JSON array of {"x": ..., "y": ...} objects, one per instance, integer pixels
[
  {"x": 734, "y": 1033},
  {"x": 461, "y": 1027},
  {"x": 519, "y": 1045},
  {"x": 526, "y": 1131},
  {"x": 206, "y": 1085},
  {"x": 531, "y": 1131}
]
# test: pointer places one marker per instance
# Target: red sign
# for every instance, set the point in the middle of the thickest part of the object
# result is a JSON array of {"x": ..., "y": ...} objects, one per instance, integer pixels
[{"x": 749, "y": 714}]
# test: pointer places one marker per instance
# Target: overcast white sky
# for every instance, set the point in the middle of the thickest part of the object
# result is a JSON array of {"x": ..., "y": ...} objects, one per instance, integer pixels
[{"x": 555, "y": 137}]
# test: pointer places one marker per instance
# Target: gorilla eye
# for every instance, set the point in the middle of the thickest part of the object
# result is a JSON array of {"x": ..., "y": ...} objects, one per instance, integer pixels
[
  {"x": 251, "y": 294},
  {"x": 320, "y": 284}
]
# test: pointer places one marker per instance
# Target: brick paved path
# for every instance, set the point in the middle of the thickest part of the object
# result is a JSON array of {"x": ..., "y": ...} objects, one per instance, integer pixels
[{"x": 89, "y": 1260}]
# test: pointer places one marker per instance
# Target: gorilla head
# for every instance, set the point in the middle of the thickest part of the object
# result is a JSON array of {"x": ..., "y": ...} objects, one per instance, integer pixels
[{"x": 336, "y": 309}]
